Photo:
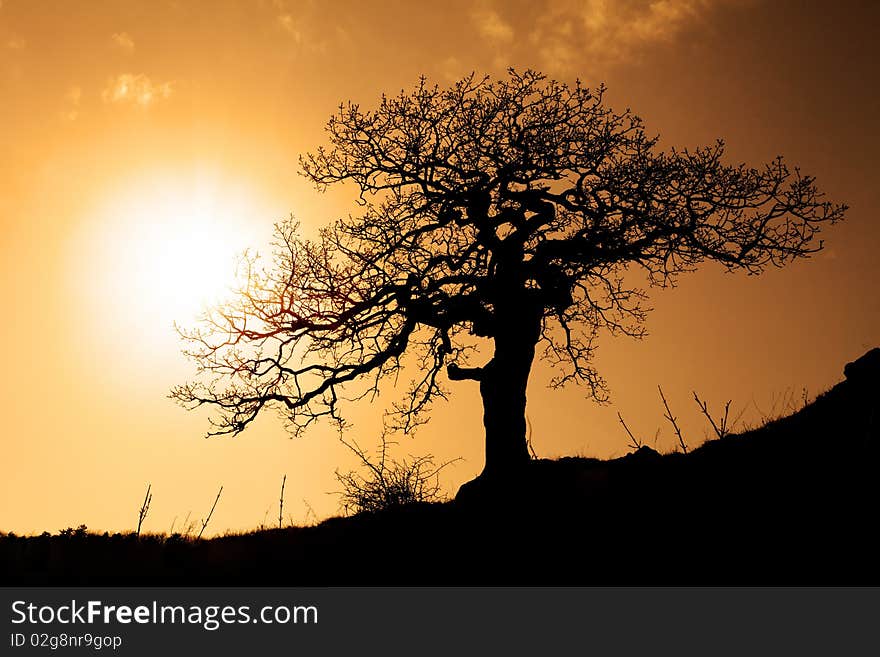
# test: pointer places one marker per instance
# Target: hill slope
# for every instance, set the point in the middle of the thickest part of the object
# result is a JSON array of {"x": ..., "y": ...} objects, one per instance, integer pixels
[{"x": 794, "y": 502}]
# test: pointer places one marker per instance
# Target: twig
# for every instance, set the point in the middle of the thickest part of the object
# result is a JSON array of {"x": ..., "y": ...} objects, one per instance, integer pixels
[
  {"x": 781, "y": 405},
  {"x": 281, "y": 501},
  {"x": 634, "y": 442},
  {"x": 722, "y": 430},
  {"x": 171, "y": 531},
  {"x": 529, "y": 439},
  {"x": 208, "y": 519},
  {"x": 737, "y": 420},
  {"x": 671, "y": 419},
  {"x": 310, "y": 512},
  {"x": 145, "y": 509}
]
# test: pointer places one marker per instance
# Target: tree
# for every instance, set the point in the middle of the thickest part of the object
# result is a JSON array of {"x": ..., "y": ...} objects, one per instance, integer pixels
[{"x": 496, "y": 217}]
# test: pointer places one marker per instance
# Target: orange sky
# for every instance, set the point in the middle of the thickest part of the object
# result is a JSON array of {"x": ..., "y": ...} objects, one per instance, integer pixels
[{"x": 143, "y": 143}]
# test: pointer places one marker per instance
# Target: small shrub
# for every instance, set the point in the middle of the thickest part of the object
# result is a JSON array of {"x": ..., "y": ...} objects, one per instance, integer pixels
[
  {"x": 70, "y": 532},
  {"x": 386, "y": 483}
]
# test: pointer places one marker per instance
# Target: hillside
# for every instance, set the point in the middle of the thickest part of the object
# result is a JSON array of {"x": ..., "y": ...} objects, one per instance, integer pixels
[{"x": 793, "y": 502}]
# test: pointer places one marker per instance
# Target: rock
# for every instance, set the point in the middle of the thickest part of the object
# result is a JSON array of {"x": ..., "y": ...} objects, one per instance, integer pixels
[
  {"x": 865, "y": 369},
  {"x": 643, "y": 454}
]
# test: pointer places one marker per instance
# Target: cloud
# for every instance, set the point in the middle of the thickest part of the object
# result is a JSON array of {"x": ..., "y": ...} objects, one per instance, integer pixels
[
  {"x": 16, "y": 43},
  {"x": 132, "y": 89},
  {"x": 491, "y": 25},
  {"x": 123, "y": 41},
  {"x": 606, "y": 31},
  {"x": 497, "y": 32},
  {"x": 453, "y": 69},
  {"x": 305, "y": 24},
  {"x": 72, "y": 100},
  {"x": 290, "y": 25}
]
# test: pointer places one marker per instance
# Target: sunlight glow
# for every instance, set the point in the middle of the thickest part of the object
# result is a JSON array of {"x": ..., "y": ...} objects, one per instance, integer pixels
[
  {"x": 164, "y": 249},
  {"x": 180, "y": 258}
]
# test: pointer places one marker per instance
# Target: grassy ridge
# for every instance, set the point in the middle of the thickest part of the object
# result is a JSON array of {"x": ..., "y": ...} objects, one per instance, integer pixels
[{"x": 792, "y": 502}]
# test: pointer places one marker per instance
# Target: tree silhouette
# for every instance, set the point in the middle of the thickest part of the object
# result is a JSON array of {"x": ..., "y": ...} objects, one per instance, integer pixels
[{"x": 498, "y": 217}]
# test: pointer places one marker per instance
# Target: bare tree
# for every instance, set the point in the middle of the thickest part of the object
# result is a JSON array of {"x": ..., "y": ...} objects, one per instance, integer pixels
[{"x": 499, "y": 219}]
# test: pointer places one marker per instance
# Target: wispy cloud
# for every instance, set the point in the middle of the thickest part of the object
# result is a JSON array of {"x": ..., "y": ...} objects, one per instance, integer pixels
[
  {"x": 608, "y": 31},
  {"x": 123, "y": 41},
  {"x": 304, "y": 24},
  {"x": 491, "y": 25},
  {"x": 132, "y": 89},
  {"x": 290, "y": 25},
  {"x": 453, "y": 69},
  {"x": 72, "y": 99},
  {"x": 496, "y": 30}
]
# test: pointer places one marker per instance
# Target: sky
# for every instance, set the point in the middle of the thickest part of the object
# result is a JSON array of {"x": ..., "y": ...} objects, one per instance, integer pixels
[{"x": 143, "y": 144}]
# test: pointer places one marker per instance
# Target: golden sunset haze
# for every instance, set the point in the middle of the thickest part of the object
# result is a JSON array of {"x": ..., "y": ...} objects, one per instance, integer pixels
[{"x": 145, "y": 145}]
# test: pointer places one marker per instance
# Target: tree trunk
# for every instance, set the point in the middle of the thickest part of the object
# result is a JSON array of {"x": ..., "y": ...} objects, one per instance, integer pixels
[{"x": 503, "y": 388}]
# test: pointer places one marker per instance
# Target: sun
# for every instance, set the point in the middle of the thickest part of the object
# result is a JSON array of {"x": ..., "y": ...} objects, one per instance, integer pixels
[
  {"x": 163, "y": 249},
  {"x": 177, "y": 256}
]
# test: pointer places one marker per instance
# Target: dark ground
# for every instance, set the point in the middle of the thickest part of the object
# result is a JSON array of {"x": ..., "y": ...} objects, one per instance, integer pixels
[{"x": 794, "y": 502}]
